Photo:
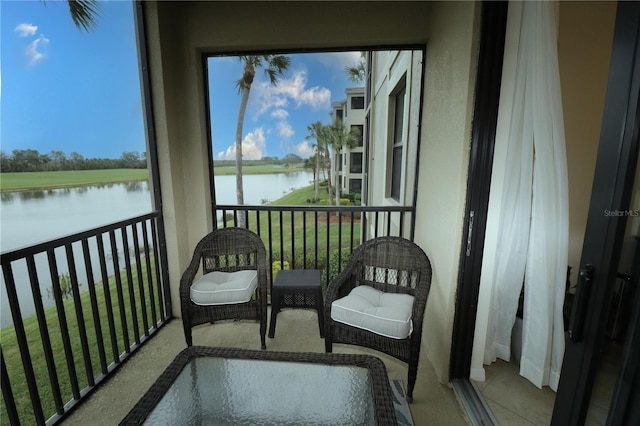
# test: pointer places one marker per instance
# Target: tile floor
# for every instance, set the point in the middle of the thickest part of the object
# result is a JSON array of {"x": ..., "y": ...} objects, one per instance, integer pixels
[
  {"x": 297, "y": 330},
  {"x": 514, "y": 401}
]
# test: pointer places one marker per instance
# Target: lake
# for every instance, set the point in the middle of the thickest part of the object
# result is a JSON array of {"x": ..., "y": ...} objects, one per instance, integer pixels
[{"x": 31, "y": 217}]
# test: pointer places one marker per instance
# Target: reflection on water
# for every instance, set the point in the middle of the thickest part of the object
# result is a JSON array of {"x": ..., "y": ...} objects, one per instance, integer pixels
[
  {"x": 41, "y": 194},
  {"x": 31, "y": 217}
]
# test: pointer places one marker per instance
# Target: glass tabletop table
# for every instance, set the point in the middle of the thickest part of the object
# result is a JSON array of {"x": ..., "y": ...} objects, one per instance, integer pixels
[{"x": 226, "y": 386}]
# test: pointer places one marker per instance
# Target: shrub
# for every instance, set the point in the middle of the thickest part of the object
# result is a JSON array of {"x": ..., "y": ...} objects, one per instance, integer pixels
[
  {"x": 277, "y": 266},
  {"x": 66, "y": 289},
  {"x": 334, "y": 267},
  {"x": 345, "y": 202}
]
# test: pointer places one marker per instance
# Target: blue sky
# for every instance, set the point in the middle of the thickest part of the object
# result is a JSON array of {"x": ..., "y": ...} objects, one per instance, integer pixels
[
  {"x": 74, "y": 91},
  {"x": 277, "y": 116}
]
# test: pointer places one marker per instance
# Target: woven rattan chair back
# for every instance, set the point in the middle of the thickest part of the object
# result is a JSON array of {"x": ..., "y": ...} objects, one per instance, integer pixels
[
  {"x": 392, "y": 265},
  {"x": 226, "y": 250}
]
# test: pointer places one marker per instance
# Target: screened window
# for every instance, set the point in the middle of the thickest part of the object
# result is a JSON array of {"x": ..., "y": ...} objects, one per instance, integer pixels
[
  {"x": 397, "y": 142},
  {"x": 360, "y": 128},
  {"x": 355, "y": 186},
  {"x": 357, "y": 102},
  {"x": 356, "y": 163}
]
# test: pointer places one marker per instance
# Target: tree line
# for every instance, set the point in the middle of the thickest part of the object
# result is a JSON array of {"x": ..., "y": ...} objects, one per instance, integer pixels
[{"x": 30, "y": 160}]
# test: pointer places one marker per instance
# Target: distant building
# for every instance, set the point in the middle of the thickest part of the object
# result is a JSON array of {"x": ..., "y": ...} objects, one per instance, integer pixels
[{"x": 351, "y": 162}]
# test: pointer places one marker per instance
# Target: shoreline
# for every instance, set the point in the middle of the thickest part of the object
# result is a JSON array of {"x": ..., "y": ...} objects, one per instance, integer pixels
[{"x": 42, "y": 181}]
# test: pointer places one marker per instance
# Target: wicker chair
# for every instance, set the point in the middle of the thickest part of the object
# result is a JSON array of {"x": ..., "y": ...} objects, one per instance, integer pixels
[
  {"x": 391, "y": 265},
  {"x": 226, "y": 250}
]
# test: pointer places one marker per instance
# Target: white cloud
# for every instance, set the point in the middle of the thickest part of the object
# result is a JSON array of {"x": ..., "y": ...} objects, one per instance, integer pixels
[
  {"x": 295, "y": 88},
  {"x": 304, "y": 149},
  {"x": 25, "y": 30},
  {"x": 253, "y": 146},
  {"x": 277, "y": 97},
  {"x": 339, "y": 60},
  {"x": 279, "y": 113},
  {"x": 285, "y": 130},
  {"x": 33, "y": 52}
]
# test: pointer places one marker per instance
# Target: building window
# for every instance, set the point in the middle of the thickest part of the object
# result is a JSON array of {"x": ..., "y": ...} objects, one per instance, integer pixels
[
  {"x": 355, "y": 186},
  {"x": 397, "y": 141},
  {"x": 356, "y": 163},
  {"x": 339, "y": 114},
  {"x": 357, "y": 102},
  {"x": 360, "y": 128},
  {"x": 368, "y": 71}
]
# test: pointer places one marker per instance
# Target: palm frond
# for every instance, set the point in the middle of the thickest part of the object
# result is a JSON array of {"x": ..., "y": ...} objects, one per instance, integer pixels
[
  {"x": 277, "y": 65},
  {"x": 240, "y": 85},
  {"x": 356, "y": 73},
  {"x": 84, "y": 13}
]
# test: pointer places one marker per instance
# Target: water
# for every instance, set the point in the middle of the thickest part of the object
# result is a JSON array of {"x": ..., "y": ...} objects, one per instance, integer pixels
[{"x": 31, "y": 217}]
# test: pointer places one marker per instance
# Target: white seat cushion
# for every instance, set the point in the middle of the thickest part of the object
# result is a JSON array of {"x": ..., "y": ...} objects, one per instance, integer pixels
[
  {"x": 387, "y": 314},
  {"x": 222, "y": 288}
]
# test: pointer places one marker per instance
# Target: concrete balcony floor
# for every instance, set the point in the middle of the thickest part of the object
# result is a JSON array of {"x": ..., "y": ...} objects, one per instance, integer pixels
[{"x": 296, "y": 331}]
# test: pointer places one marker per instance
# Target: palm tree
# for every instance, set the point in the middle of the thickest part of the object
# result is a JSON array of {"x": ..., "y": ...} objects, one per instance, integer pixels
[
  {"x": 274, "y": 67},
  {"x": 83, "y": 13},
  {"x": 340, "y": 137},
  {"x": 310, "y": 163},
  {"x": 357, "y": 72},
  {"x": 317, "y": 131}
]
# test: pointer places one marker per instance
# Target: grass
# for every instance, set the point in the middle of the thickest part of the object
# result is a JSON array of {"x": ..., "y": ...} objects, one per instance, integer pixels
[
  {"x": 49, "y": 180},
  {"x": 315, "y": 235},
  {"x": 13, "y": 360},
  {"x": 300, "y": 196},
  {"x": 322, "y": 236},
  {"x": 260, "y": 169}
]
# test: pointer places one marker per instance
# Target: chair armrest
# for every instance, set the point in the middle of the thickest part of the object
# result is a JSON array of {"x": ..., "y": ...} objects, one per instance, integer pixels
[
  {"x": 189, "y": 274},
  {"x": 339, "y": 286}
]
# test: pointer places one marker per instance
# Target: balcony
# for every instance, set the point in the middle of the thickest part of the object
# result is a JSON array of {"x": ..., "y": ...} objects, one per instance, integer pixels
[
  {"x": 297, "y": 330},
  {"x": 54, "y": 360}
]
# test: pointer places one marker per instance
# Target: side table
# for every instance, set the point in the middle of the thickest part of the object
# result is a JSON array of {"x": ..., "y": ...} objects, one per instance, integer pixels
[{"x": 297, "y": 288}]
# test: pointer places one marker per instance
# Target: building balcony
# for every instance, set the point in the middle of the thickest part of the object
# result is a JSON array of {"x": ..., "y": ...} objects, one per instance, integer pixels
[
  {"x": 97, "y": 348},
  {"x": 297, "y": 331}
]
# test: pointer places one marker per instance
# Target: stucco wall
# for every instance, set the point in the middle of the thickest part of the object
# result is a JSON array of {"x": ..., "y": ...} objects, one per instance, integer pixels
[
  {"x": 182, "y": 30},
  {"x": 444, "y": 156}
]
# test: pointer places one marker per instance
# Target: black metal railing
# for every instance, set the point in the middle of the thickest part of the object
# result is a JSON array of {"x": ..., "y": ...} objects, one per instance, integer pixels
[
  {"x": 62, "y": 340},
  {"x": 56, "y": 347},
  {"x": 316, "y": 236}
]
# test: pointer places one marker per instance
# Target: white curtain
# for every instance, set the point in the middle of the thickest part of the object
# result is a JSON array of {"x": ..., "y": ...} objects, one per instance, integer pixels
[{"x": 529, "y": 199}]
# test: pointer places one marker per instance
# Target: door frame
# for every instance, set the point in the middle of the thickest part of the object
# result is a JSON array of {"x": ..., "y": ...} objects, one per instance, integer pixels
[
  {"x": 613, "y": 180},
  {"x": 487, "y": 99}
]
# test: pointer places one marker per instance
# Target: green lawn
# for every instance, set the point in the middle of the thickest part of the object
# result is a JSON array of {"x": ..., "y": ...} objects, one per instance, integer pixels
[
  {"x": 260, "y": 169},
  {"x": 11, "y": 353},
  {"x": 49, "y": 180},
  {"x": 321, "y": 238},
  {"x": 314, "y": 233}
]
